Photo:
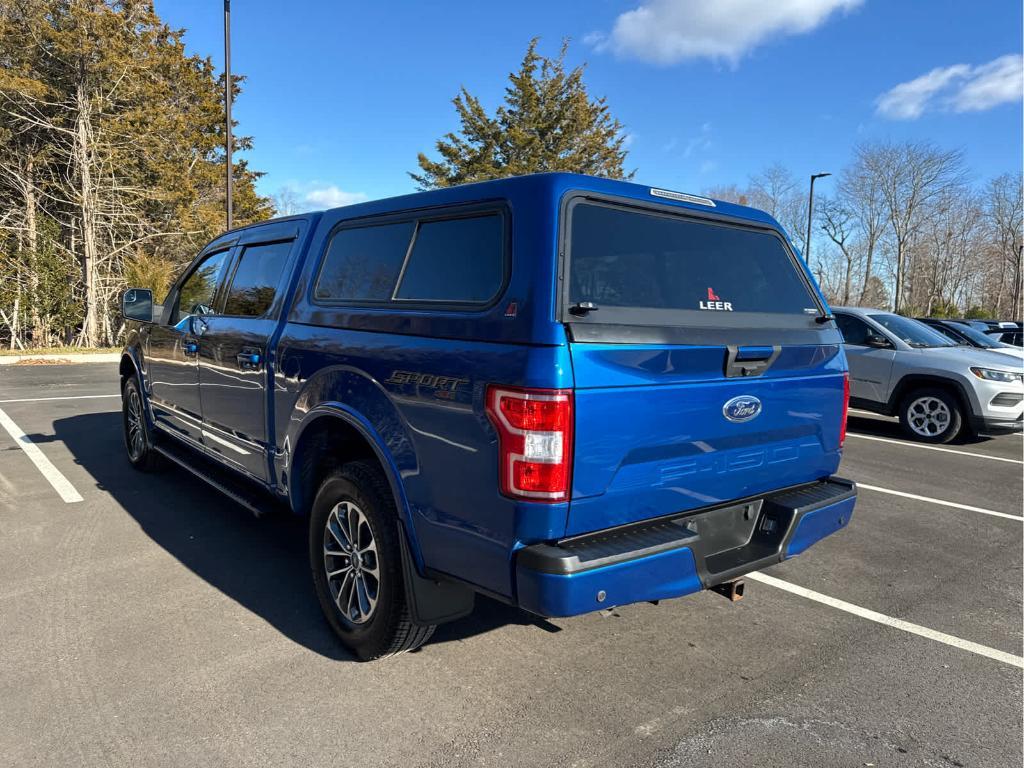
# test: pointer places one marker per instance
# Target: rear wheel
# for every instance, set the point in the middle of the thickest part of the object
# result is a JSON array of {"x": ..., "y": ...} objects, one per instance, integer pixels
[
  {"x": 931, "y": 415},
  {"x": 137, "y": 440},
  {"x": 356, "y": 563}
]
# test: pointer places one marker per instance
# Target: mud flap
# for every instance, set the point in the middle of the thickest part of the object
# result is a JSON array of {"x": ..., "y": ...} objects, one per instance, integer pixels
[{"x": 432, "y": 602}]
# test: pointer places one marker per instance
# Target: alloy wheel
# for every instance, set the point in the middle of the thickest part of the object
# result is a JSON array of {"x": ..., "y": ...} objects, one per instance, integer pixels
[
  {"x": 351, "y": 563},
  {"x": 928, "y": 416},
  {"x": 136, "y": 435}
]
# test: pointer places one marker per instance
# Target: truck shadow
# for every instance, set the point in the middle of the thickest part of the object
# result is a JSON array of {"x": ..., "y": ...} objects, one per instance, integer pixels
[{"x": 260, "y": 563}]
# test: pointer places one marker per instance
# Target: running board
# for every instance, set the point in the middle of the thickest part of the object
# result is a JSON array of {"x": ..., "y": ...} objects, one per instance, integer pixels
[{"x": 235, "y": 487}]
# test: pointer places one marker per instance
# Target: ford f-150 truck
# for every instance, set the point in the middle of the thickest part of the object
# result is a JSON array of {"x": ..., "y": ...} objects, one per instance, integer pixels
[{"x": 563, "y": 392}]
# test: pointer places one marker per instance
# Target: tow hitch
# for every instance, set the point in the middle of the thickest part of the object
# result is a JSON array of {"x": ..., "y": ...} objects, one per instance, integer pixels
[{"x": 733, "y": 590}]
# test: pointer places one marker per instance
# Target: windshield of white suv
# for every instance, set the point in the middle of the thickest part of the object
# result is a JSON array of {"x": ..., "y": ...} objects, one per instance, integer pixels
[{"x": 912, "y": 332}]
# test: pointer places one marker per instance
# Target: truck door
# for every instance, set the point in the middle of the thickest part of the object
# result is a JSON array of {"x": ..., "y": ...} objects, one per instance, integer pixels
[
  {"x": 172, "y": 347},
  {"x": 235, "y": 347}
]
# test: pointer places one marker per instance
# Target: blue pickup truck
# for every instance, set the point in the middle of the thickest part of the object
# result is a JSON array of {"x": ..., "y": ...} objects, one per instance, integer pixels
[{"x": 562, "y": 392}]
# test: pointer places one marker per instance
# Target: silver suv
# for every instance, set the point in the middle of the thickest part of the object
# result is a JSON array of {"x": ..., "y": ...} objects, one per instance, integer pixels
[{"x": 901, "y": 367}]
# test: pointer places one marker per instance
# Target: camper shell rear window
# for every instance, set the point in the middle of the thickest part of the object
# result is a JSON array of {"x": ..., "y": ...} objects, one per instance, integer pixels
[{"x": 634, "y": 265}]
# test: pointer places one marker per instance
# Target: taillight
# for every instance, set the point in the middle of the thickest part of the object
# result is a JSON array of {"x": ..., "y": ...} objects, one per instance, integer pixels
[
  {"x": 846, "y": 408},
  {"x": 534, "y": 441}
]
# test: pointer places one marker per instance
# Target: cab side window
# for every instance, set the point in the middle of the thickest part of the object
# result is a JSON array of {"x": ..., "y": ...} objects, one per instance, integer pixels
[
  {"x": 198, "y": 292},
  {"x": 854, "y": 330},
  {"x": 256, "y": 279}
]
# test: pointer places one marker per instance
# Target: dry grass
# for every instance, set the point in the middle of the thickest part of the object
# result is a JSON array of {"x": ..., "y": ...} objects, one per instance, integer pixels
[{"x": 59, "y": 351}]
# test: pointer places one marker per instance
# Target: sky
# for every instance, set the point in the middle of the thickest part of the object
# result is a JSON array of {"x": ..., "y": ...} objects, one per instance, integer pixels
[{"x": 340, "y": 96}]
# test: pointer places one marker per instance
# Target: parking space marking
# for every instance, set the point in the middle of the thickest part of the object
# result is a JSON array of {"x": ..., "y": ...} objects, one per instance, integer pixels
[
  {"x": 65, "y": 397},
  {"x": 933, "y": 448},
  {"x": 940, "y": 502},
  {"x": 889, "y": 621},
  {"x": 53, "y": 475},
  {"x": 859, "y": 412}
]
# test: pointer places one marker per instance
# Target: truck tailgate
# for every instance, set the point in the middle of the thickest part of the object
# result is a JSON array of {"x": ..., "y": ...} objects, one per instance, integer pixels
[{"x": 654, "y": 435}]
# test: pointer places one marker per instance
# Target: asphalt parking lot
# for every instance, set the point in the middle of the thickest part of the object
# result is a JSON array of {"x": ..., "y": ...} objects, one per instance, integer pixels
[{"x": 154, "y": 623}]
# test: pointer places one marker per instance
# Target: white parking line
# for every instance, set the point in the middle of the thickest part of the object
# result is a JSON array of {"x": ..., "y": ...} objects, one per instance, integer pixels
[
  {"x": 65, "y": 397},
  {"x": 933, "y": 448},
  {"x": 859, "y": 412},
  {"x": 940, "y": 502},
  {"x": 53, "y": 475},
  {"x": 889, "y": 621}
]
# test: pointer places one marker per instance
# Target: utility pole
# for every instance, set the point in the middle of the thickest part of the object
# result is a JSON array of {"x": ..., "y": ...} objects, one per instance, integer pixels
[
  {"x": 229, "y": 173},
  {"x": 810, "y": 216}
]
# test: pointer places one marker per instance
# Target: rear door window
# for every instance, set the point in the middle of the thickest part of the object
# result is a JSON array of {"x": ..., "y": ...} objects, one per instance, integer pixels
[
  {"x": 256, "y": 279},
  {"x": 676, "y": 269}
]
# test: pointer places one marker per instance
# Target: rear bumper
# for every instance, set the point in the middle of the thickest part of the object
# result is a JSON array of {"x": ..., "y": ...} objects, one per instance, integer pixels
[{"x": 671, "y": 557}]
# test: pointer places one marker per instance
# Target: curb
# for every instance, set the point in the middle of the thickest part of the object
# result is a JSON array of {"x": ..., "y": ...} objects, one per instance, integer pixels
[{"x": 85, "y": 357}]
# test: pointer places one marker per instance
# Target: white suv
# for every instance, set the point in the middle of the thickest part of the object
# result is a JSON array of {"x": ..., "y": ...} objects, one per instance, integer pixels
[{"x": 901, "y": 367}]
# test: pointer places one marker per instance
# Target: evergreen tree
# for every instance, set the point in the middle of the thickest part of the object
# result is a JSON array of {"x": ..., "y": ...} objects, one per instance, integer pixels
[{"x": 548, "y": 123}]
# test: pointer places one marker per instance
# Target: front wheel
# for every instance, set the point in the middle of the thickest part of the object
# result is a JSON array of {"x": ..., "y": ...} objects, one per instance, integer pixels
[
  {"x": 137, "y": 440},
  {"x": 931, "y": 415},
  {"x": 356, "y": 563}
]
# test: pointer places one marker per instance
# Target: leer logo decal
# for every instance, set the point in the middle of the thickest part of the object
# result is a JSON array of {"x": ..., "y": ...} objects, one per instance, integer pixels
[
  {"x": 715, "y": 302},
  {"x": 742, "y": 408}
]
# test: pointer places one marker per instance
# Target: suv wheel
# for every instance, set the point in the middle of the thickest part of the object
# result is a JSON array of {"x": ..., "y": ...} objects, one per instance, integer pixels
[
  {"x": 931, "y": 415},
  {"x": 357, "y": 567},
  {"x": 137, "y": 440}
]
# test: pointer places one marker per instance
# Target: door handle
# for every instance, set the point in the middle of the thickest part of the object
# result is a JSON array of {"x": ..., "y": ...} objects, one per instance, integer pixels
[
  {"x": 249, "y": 361},
  {"x": 190, "y": 347}
]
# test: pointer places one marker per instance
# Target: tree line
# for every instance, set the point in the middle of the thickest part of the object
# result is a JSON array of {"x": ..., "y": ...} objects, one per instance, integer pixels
[{"x": 111, "y": 164}]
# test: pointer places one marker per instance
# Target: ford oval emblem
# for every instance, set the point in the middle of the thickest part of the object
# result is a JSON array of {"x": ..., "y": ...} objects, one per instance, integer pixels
[{"x": 742, "y": 408}]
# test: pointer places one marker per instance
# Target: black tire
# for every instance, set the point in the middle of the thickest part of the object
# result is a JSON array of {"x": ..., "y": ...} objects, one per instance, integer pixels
[
  {"x": 931, "y": 415},
  {"x": 138, "y": 444},
  {"x": 386, "y": 628}
]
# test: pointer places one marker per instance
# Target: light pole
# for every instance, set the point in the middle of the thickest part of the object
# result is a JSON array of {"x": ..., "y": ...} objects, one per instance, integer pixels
[
  {"x": 810, "y": 216},
  {"x": 227, "y": 107}
]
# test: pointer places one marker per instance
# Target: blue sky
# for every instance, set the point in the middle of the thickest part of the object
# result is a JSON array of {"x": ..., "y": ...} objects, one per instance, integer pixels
[{"x": 340, "y": 96}]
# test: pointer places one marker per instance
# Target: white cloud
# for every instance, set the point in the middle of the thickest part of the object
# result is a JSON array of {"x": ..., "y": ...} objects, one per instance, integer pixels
[
  {"x": 908, "y": 100},
  {"x": 998, "y": 82},
  {"x": 331, "y": 197},
  {"x": 668, "y": 31},
  {"x": 301, "y": 196},
  {"x": 957, "y": 88}
]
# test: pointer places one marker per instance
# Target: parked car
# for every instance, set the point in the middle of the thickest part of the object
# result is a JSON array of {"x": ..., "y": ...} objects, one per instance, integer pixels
[
  {"x": 564, "y": 392},
  {"x": 1007, "y": 336},
  {"x": 901, "y": 367},
  {"x": 960, "y": 333}
]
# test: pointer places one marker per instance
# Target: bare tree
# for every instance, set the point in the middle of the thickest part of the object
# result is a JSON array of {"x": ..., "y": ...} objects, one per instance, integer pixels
[
  {"x": 776, "y": 191},
  {"x": 909, "y": 177},
  {"x": 839, "y": 223},
  {"x": 1004, "y": 215},
  {"x": 862, "y": 197}
]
